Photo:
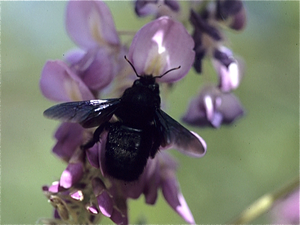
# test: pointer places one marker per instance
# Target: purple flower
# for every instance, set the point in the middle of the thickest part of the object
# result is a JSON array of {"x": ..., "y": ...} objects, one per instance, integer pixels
[
  {"x": 207, "y": 23},
  {"x": 286, "y": 211},
  {"x": 59, "y": 83},
  {"x": 229, "y": 69},
  {"x": 232, "y": 12},
  {"x": 155, "y": 49},
  {"x": 95, "y": 67},
  {"x": 69, "y": 137},
  {"x": 85, "y": 191},
  {"x": 90, "y": 24},
  {"x": 156, "y": 7},
  {"x": 213, "y": 107}
]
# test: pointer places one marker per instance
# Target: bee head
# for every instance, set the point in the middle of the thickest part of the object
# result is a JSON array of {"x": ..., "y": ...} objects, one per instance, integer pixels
[{"x": 150, "y": 79}]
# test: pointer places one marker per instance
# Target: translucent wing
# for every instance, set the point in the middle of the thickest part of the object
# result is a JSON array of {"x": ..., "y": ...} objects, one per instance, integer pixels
[
  {"x": 174, "y": 134},
  {"x": 90, "y": 113}
]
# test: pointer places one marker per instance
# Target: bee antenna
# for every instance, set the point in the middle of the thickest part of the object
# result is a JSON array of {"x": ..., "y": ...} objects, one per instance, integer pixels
[
  {"x": 176, "y": 68},
  {"x": 132, "y": 66}
]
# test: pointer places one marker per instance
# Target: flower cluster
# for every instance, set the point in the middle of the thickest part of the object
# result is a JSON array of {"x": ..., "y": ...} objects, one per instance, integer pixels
[{"x": 97, "y": 70}]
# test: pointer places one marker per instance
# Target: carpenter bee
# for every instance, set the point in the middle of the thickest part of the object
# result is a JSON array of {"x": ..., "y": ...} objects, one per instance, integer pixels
[{"x": 142, "y": 127}]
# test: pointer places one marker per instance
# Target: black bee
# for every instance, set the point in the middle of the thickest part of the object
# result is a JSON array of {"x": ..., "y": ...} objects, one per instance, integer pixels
[{"x": 142, "y": 127}]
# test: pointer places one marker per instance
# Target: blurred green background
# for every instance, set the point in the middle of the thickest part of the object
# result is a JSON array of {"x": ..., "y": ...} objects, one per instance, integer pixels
[{"x": 258, "y": 154}]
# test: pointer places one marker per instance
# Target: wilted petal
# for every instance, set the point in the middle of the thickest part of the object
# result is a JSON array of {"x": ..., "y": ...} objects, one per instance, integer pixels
[
  {"x": 155, "y": 49},
  {"x": 90, "y": 24},
  {"x": 69, "y": 137},
  {"x": 59, "y": 83},
  {"x": 212, "y": 107}
]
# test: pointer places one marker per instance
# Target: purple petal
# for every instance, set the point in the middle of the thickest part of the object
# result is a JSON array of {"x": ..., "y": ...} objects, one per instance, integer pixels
[
  {"x": 229, "y": 69},
  {"x": 54, "y": 188},
  {"x": 71, "y": 175},
  {"x": 173, "y": 4},
  {"x": 239, "y": 20},
  {"x": 118, "y": 217},
  {"x": 152, "y": 180},
  {"x": 233, "y": 11},
  {"x": 201, "y": 26},
  {"x": 155, "y": 7},
  {"x": 170, "y": 190},
  {"x": 101, "y": 149},
  {"x": 99, "y": 73},
  {"x": 134, "y": 189},
  {"x": 59, "y": 83},
  {"x": 230, "y": 108},
  {"x": 92, "y": 209},
  {"x": 73, "y": 56},
  {"x": 93, "y": 155},
  {"x": 155, "y": 49},
  {"x": 56, "y": 214},
  {"x": 69, "y": 137},
  {"x": 104, "y": 199},
  {"x": 77, "y": 195},
  {"x": 145, "y": 8},
  {"x": 90, "y": 24},
  {"x": 212, "y": 107},
  {"x": 286, "y": 211},
  {"x": 184, "y": 211}
]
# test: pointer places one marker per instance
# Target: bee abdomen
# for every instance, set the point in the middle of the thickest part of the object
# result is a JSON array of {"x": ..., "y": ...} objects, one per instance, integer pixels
[{"x": 126, "y": 152}]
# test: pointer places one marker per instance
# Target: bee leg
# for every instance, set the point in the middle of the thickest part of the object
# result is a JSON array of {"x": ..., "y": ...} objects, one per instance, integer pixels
[{"x": 95, "y": 138}]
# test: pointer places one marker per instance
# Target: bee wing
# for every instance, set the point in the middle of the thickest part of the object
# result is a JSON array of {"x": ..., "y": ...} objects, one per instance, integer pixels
[
  {"x": 174, "y": 134},
  {"x": 90, "y": 113}
]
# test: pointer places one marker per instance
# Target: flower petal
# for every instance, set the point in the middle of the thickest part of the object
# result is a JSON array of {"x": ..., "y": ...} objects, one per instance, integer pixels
[
  {"x": 71, "y": 175},
  {"x": 213, "y": 107},
  {"x": 69, "y": 137},
  {"x": 93, "y": 155},
  {"x": 155, "y": 49},
  {"x": 229, "y": 69},
  {"x": 105, "y": 201},
  {"x": 99, "y": 74},
  {"x": 90, "y": 24},
  {"x": 170, "y": 190},
  {"x": 59, "y": 83}
]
